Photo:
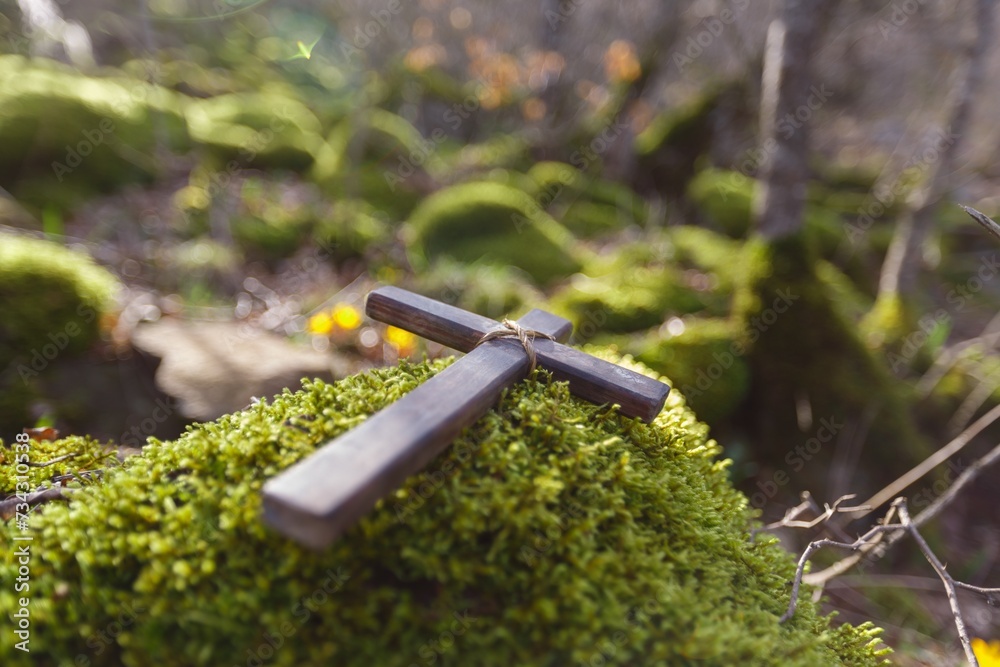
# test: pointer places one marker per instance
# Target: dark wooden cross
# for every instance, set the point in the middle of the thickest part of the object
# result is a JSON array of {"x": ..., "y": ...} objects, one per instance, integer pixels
[{"x": 321, "y": 496}]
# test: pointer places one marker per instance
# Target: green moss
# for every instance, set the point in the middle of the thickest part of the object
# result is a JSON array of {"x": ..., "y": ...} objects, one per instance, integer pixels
[
  {"x": 52, "y": 300},
  {"x": 487, "y": 289},
  {"x": 706, "y": 363},
  {"x": 553, "y": 532},
  {"x": 587, "y": 206},
  {"x": 708, "y": 251},
  {"x": 76, "y": 132},
  {"x": 803, "y": 348},
  {"x": 621, "y": 301},
  {"x": 493, "y": 223},
  {"x": 266, "y": 130},
  {"x": 374, "y": 156},
  {"x": 685, "y": 128},
  {"x": 351, "y": 227},
  {"x": 725, "y": 197}
]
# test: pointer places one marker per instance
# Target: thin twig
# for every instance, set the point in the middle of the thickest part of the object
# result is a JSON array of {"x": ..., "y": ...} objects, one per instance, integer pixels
[
  {"x": 946, "y": 579},
  {"x": 55, "y": 460},
  {"x": 8, "y": 507},
  {"x": 905, "y": 526},
  {"x": 790, "y": 520},
  {"x": 879, "y": 549},
  {"x": 931, "y": 462}
]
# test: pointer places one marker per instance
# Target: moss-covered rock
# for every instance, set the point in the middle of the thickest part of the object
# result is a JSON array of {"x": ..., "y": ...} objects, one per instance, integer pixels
[
  {"x": 586, "y": 205},
  {"x": 62, "y": 131},
  {"x": 52, "y": 300},
  {"x": 380, "y": 157},
  {"x": 493, "y": 223},
  {"x": 705, "y": 360},
  {"x": 624, "y": 301},
  {"x": 553, "y": 532},
  {"x": 265, "y": 130}
]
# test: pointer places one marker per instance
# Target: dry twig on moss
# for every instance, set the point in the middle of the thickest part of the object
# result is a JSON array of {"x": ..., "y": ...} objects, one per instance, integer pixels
[{"x": 8, "y": 507}]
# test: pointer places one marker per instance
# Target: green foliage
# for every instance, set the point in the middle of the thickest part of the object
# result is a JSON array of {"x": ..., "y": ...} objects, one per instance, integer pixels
[
  {"x": 706, "y": 363},
  {"x": 726, "y": 197},
  {"x": 265, "y": 130},
  {"x": 46, "y": 288},
  {"x": 351, "y": 227},
  {"x": 621, "y": 301},
  {"x": 80, "y": 133},
  {"x": 587, "y": 206},
  {"x": 52, "y": 299},
  {"x": 494, "y": 223},
  {"x": 372, "y": 155},
  {"x": 552, "y": 532},
  {"x": 487, "y": 289}
]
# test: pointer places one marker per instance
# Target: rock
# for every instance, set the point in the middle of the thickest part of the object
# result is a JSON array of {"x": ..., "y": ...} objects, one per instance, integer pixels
[
  {"x": 212, "y": 368},
  {"x": 53, "y": 300}
]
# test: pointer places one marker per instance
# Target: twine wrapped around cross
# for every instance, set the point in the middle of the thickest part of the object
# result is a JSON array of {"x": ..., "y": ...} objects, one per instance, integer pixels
[
  {"x": 320, "y": 497},
  {"x": 514, "y": 330}
]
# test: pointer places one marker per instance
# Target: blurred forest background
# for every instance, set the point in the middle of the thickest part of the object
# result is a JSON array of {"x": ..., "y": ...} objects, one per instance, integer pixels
[{"x": 797, "y": 267}]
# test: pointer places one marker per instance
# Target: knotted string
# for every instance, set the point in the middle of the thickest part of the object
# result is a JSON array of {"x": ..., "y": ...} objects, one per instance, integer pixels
[{"x": 514, "y": 330}]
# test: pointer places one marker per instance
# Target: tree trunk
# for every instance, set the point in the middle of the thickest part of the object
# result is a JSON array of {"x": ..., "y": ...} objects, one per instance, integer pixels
[{"x": 789, "y": 97}]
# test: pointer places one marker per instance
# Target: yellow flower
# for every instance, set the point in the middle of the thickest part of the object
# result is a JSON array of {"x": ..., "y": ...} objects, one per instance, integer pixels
[
  {"x": 346, "y": 317},
  {"x": 320, "y": 324},
  {"x": 987, "y": 653},
  {"x": 402, "y": 340}
]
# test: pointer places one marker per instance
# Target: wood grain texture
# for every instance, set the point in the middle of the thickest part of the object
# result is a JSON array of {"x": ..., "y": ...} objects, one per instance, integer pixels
[{"x": 317, "y": 499}]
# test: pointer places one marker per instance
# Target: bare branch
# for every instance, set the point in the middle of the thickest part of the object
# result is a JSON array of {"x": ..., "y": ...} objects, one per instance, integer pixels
[
  {"x": 931, "y": 511},
  {"x": 905, "y": 526},
  {"x": 8, "y": 507},
  {"x": 931, "y": 462}
]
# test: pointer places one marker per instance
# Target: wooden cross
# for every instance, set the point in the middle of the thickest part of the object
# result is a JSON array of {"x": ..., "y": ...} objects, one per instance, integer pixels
[{"x": 321, "y": 496}]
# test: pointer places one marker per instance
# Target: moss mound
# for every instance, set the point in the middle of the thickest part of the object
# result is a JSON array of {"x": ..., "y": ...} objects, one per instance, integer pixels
[
  {"x": 380, "y": 157},
  {"x": 494, "y": 223},
  {"x": 554, "y": 532},
  {"x": 260, "y": 130},
  {"x": 71, "y": 132},
  {"x": 706, "y": 362},
  {"x": 52, "y": 299}
]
